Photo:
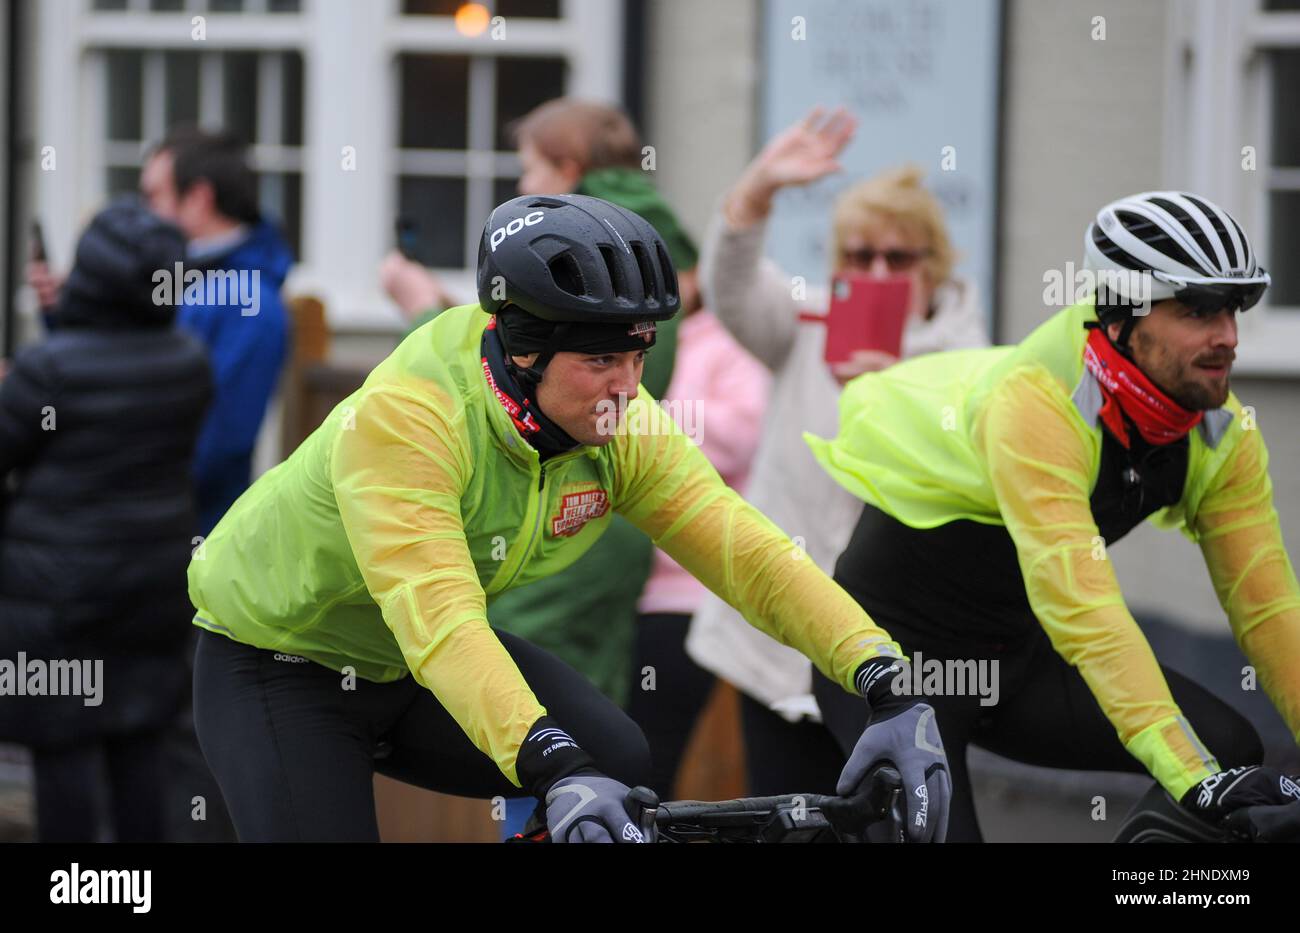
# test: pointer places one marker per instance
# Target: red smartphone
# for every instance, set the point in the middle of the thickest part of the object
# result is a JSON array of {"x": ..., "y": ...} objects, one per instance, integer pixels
[{"x": 865, "y": 314}]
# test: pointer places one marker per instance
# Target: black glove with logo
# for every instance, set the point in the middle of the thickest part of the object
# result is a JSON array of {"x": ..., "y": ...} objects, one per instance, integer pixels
[
  {"x": 1255, "y": 801},
  {"x": 582, "y": 805},
  {"x": 903, "y": 732}
]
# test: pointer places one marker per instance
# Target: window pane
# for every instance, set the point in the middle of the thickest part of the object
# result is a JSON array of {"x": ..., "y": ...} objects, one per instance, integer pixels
[
  {"x": 436, "y": 206},
  {"x": 1281, "y": 6},
  {"x": 122, "y": 181},
  {"x": 503, "y": 189},
  {"x": 166, "y": 6},
  {"x": 1286, "y": 113},
  {"x": 540, "y": 9},
  {"x": 435, "y": 101},
  {"x": 522, "y": 84},
  {"x": 283, "y": 6},
  {"x": 124, "y": 95},
  {"x": 291, "y": 131},
  {"x": 1283, "y": 247},
  {"x": 226, "y": 6},
  {"x": 430, "y": 7},
  {"x": 181, "y": 94},
  {"x": 239, "y": 77},
  {"x": 280, "y": 197},
  {"x": 110, "y": 5}
]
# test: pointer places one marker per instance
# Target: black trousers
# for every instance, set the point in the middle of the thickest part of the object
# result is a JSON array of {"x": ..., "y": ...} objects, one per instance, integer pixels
[
  {"x": 1045, "y": 713},
  {"x": 668, "y": 713},
  {"x": 71, "y": 784},
  {"x": 783, "y": 757},
  {"x": 295, "y": 754}
]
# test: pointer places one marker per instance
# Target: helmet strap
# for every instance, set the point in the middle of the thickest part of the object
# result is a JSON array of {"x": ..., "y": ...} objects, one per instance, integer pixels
[
  {"x": 529, "y": 377},
  {"x": 1125, "y": 331}
]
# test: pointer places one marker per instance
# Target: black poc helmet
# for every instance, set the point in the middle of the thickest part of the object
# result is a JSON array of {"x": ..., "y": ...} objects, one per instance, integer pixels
[{"x": 575, "y": 259}]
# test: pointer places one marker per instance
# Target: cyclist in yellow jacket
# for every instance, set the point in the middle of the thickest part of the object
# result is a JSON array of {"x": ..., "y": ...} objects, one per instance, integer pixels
[
  {"x": 343, "y": 597},
  {"x": 994, "y": 480}
]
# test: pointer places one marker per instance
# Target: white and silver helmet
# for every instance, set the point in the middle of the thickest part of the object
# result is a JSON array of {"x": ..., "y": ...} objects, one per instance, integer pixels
[{"x": 1192, "y": 249}]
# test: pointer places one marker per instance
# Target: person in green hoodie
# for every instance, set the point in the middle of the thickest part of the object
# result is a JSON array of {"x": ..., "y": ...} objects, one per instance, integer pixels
[{"x": 585, "y": 615}]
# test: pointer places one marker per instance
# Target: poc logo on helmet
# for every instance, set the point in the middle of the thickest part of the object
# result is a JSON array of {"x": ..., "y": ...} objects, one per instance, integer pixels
[{"x": 510, "y": 229}]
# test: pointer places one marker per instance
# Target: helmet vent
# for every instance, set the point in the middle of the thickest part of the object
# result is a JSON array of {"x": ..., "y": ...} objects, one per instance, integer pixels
[
  {"x": 649, "y": 287},
  {"x": 617, "y": 280},
  {"x": 566, "y": 275},
  {"x": 670, "y": 281},
  {"x": 1193, "y": 228},
  {"x": 1154, "y": 237},
  {"x": 1220, "y": 230}
]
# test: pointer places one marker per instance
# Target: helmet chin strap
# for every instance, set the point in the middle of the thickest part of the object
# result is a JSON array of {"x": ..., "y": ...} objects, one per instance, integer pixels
[
  {"x": 529, "y": 377},
  {"x": 1125, "y": 331}
]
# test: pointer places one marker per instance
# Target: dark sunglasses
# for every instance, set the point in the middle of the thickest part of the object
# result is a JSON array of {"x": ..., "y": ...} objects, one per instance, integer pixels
[
  {"x": 898, "y": 260},
  {"x": 1209, "y": 298}
]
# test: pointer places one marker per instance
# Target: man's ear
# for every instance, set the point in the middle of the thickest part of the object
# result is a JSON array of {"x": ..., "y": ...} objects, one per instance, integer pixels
[{"x": 1113, "y": 330}]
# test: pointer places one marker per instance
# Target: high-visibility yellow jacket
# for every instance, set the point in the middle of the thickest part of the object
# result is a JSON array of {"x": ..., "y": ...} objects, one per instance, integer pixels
[
  {"x": 1010, "y": 436},
  {"x": 377, "y": 544}
]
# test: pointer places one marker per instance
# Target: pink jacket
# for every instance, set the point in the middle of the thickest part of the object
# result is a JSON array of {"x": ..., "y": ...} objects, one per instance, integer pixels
[{"x": 718, "y": 395}]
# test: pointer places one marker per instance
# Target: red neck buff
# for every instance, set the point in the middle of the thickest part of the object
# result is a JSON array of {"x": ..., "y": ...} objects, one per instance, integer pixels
[{"x": 1159, "y": 419}]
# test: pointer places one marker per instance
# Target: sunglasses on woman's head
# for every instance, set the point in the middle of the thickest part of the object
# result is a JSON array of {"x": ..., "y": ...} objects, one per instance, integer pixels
[{"x": 898, "y": 260}]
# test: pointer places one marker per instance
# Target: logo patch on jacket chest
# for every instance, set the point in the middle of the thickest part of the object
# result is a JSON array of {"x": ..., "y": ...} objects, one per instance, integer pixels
[{"x": 577, "y": 508}]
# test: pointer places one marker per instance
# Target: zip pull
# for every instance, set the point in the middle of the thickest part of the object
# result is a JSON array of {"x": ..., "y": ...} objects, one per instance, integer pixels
[{"x": 541, "y": 479}]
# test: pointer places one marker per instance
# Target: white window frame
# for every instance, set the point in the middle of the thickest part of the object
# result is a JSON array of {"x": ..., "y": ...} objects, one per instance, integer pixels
[
  {"x": 1218, "y": 95},
  {"x": 349, "y": 52}
]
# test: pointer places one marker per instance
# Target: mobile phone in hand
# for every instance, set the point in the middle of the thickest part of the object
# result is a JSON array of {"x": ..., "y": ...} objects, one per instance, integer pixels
[
  {"x": 38, "y": 243},
  {"x": 408, "y": 237},
  {"x": 866, "y": 313}
]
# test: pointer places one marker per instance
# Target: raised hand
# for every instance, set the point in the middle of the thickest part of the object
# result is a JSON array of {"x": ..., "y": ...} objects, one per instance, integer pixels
[{"x": 798, "y": 155}]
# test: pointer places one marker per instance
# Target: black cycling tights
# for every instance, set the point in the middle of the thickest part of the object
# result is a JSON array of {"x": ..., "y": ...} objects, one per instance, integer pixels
[
  {"x": 295, "y": 754},
  {"x": 1045, "y": 715},
  {"x": 955, "y": 592}
]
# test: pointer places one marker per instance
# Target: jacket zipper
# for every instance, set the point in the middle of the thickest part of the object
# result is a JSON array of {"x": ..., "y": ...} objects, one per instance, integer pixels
[{"x": 537, "y": 526}]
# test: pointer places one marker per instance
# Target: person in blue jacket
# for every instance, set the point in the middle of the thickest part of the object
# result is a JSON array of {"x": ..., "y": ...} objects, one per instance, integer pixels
[{"x": 235, "y": 264}]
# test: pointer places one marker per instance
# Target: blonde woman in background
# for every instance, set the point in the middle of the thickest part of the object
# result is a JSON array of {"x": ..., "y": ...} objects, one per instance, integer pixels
[{"x": 885, "y": 226}]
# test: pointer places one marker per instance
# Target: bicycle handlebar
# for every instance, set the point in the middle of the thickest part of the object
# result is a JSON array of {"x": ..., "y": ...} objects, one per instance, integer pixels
[{"x": 879, "y": 799}]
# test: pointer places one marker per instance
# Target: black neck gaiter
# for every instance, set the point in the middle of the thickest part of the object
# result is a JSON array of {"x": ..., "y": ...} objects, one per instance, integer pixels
[{"x": 546, "y": 437}]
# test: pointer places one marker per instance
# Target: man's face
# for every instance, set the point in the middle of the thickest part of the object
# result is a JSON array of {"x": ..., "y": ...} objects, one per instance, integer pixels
[
  {"x": 1187, "y": 353},
  {"x": 582, "y": 392}
]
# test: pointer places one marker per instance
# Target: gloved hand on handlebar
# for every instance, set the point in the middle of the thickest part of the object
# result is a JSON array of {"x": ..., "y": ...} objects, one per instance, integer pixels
[
  {"x": 589, "y": 807},
  {"x": 582, "y": 805},
  {"x": 903, "y": 732},
  {"x": 1255, "y": 801}
]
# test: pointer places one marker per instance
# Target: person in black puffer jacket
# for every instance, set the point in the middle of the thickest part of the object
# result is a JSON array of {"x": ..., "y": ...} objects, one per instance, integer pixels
[{"x": 97, "y": 430}]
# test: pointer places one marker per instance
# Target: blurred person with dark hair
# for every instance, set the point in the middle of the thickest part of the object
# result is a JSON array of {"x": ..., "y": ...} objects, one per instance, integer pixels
[
  {"x": 201, "y": 181},
  {"x": 98, "y": 424}
]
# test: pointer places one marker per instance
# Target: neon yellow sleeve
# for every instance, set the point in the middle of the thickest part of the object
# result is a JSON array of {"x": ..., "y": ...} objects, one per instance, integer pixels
[
  {"x": 398, "y": 475},
  {"x": 1237, "y": 528},
  {"x": 1039, "y": 465},
  {"x": 669, "y": 490}
]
